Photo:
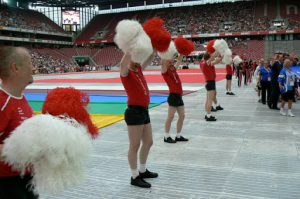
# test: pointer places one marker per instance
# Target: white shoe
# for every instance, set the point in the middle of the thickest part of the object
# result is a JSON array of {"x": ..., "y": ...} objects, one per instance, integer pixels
[
  {"x": 282, "y": 112},
  {"x": 290, "y": 113}
]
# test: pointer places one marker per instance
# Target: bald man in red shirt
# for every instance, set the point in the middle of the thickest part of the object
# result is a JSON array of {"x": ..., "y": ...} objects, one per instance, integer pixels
[{"x": 16, "y": 74}]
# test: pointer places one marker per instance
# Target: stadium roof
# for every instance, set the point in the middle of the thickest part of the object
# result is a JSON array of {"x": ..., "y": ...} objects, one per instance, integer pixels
[
  {"x": 102, "y": 3},
  {"x": 82, "y": 3}
]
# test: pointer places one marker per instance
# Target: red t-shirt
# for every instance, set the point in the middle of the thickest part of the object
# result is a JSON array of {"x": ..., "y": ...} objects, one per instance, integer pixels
[
  {"x": 173, "y": 81},
  {"x": 13, "y": 111},
  {"x": 209, "y": 71},
  {"x": 136, "y": 88},
  {"x": 229, "y": 69}
]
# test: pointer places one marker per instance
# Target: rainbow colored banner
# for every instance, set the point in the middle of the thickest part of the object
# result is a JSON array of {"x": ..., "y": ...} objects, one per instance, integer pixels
[{"x": 105, "y": 109}]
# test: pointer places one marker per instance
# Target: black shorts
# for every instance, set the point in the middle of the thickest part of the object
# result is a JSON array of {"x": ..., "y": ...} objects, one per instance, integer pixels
[
  {"x": 289, "y": 95},
  {"x": 137, "y": 115},
  {"x": 175, "y": 100},
  {"x": 16, "y": 187},
  {"x": 229, "y": 77},
  {"x": 210, "y": 85}
]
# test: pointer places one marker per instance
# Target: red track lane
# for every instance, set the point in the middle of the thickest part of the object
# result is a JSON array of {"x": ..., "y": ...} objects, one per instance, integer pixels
[{"x": 197, "y": 78}]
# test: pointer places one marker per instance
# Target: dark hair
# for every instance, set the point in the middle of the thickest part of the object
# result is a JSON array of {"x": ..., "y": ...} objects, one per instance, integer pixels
[{"x": 206, "y": 56}]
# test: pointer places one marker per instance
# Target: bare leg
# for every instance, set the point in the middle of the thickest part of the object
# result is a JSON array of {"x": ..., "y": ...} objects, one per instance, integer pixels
[
  {"x": 210, "y": 98},
  {"x": 229, "y": 85},
  {"x": 171, "y": 113},
  {"x": 282, "y": 104},
  {"x": 181, "y": 116},
  {"x": 147, "y": 142},
  {"x": 290, "y": 104},
  {"x": 135, "y": 134}
]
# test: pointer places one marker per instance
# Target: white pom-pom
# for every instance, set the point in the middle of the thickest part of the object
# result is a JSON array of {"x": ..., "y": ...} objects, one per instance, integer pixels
[
  {"x": 126, "y": 33},
  {"x": 53, "y": 148},
  {"x": 141, "y": 49},
  {"x": 237, "y": 60},
  {"x": 131, "y": 37},
  {"x": 169, "y": 54},
  {"x": 227, "y": 58},
  {"x": 220, "y": 46}
]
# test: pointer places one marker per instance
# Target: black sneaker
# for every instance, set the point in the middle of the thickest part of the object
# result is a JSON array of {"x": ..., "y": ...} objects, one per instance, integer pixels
[
  {"x": 181, "y": 139},
  {"x": 210, "y": 119},
  {"x": 231, "y": 93},
  {"x": 227, "y": 93},
  {"x": 219, "y": 108},
  {"x": 140, "y": 182},
  {"x": 213, "y": 109},
  {"x": 169, "y": 140},
  {"x": 148, "y": 174}
]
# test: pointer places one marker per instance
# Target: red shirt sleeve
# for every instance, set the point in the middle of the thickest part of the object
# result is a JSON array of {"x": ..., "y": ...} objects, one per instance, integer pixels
[{"x": 4, "y": 116}]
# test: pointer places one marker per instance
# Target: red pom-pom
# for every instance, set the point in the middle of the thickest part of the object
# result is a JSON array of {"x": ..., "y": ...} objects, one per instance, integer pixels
[
  {"x": 160, "y": 37},
  {"x": 210, "y": 49},
  {"x": 70, "y": 102},
  {"x": 184, "y": 46},
  {"x": 154, "y": 22}
]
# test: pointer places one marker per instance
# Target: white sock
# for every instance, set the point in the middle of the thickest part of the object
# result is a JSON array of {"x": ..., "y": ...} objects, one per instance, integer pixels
[
  {"x": 208, "y": 114},
  {"x": 167, "y": 135},
  {"x": 178, "y": 135},
  {"x": 142, "y": 168},
  {"x": 134, "y": 173}
]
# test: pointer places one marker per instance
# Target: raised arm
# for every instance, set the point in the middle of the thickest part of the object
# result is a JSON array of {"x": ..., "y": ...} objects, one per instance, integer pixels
[
  {"x": 124, "y": 65},
  {"x": 148, "y": 61},
  {"x": 179, "y": 61},
  {"x": 215, "y": 59}
]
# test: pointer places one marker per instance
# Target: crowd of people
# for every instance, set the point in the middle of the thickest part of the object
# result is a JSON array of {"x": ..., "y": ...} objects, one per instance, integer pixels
[
  {"x": 25, "y": 19},
  {"x": 46, "y": 64},
  {"x": 273, "y": 79},
  {"x": 214, "y": 18}
]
